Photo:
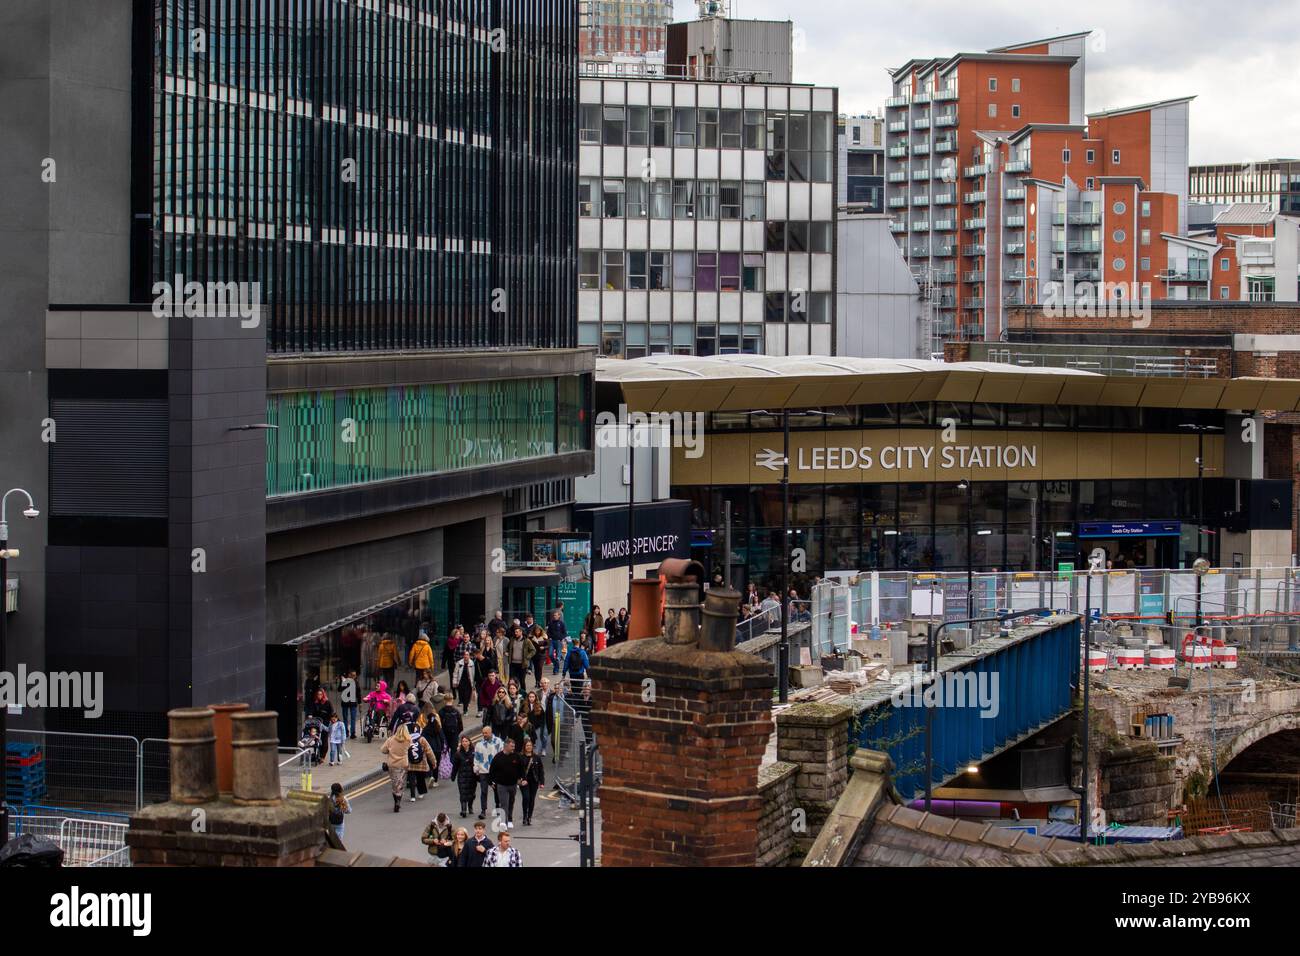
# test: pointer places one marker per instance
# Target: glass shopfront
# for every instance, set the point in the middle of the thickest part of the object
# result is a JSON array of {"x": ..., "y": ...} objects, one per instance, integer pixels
[{"x": 955, "y": 519}]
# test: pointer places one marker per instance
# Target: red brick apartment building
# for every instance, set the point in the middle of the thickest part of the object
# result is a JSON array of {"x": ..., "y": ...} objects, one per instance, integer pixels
[
  {"x": 1004, "y": 190},
  {"x": 609, "y": 27}
]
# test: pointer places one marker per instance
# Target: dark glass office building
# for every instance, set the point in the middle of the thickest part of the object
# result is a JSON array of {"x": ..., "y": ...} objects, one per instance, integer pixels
[{"x": 393, "y": 175}]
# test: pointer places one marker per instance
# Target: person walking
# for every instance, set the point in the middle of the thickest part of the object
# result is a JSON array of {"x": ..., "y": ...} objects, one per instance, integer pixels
[
  {"x": 501, "y": 715},
  {"x": 462, "y": 771},
  {"x": 520, "y": 650},
  {"x": 465, "y": 680},
  {"x": 487, "y": 661},
  {"x": 438, "y": 838},
  {"x": 536, "y": 714},
  {"x": 395, "y": 750},
  {"x": 594, "y": 622},
  {"x": 521, "y": 731},
  {"x": 452, "y": 724},
  {"x": 461, "y": 850},
  {"x": 337, "y": 735},
  {"x": 487, "y": 693},
  {"x": 419, "y": 764},
  {"x": 406, "y": 712},
  {"x": 534, "y": 778},
  {"x": 540, "y": 643},
  {"x": 339, "y": 807},
  {"x": 485, "y": 751},
  {"x": 386, "y": 657},
  {"x": 557, "y": 634},
  {"x": 480, "y": 845},
  {"x": 421, "y": 657},
  {"x": 506, "y": 772},
  {"x": 503, "y": 854},
  {"x": 431, "y": 732},
  {"x": 348, "y": 700},
  {"x": 576, "y": 663}
]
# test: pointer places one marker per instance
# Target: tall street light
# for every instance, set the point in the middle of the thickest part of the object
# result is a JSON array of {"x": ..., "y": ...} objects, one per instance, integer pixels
[
  {"x": 5, "y": 554},
  {"x": 1200, "y": 499},
  {"x": 1096, "y": 564},
  {"x": 966, "y": 486}
]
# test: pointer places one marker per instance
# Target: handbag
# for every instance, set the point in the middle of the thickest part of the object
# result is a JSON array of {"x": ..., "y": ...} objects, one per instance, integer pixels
[{"x": 444, "y": 766}]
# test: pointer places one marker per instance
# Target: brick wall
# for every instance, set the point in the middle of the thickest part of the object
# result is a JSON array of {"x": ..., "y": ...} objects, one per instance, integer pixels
[
  {"x": 776, "y": 825},
  {"x": 815, "y": 738}
]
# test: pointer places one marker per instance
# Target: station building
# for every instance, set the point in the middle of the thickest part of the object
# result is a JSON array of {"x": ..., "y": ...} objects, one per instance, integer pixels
[{"x": 921, "y": 465}]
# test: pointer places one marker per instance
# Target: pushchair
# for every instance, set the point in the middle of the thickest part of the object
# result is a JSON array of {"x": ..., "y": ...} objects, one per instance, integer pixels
[
  {"x": 376, "y": 724},
  {"x": 322, "y": 737}
]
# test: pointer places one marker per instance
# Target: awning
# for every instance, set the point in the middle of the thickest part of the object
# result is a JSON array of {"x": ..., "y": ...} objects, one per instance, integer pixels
[{"x": 689, "y": 383}]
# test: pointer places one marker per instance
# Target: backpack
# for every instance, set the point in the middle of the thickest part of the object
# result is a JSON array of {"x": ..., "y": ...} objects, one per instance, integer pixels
[
  {"x": 576, "y": 666},
  {"x": 451, "y": 724},
  {"x": 414, "y": 754},
  {"x": 336, "y": 814}
]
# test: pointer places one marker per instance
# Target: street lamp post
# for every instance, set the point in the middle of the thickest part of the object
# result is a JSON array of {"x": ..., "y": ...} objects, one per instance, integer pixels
[
  {"x": 966, "y": 486},
  {"x": 1096, "y": 562},
  {"x": 1200, "y": 501},
  {"x": 783, "y": 675},
  {"x": 5, "y": 554}
]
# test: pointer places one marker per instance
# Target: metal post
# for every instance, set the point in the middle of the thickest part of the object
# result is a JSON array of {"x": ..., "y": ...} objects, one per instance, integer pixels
[
  {"x": 1087, "y": 644},
  {"x": 1200, "y": 510},
  {"x": 970, "y": 554},
  {"x": 929, "y": 713},
  {"x": 783, "y": 666},
  {"x": 726, "y": 543},
  {"x": 631, "y": 517}
]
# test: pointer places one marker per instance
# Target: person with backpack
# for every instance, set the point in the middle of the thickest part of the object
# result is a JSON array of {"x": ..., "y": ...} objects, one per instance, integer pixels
[
  {"x": 505, "y": 773},
  {"x": 576, "y": 663},
  {"x": 421, "y": 658},
  {"x": 395, "y": 751},
  {"x": 338, "y": 807},
  {"x": 419, "y": 764},
  {"x": 438, "y": 838},
  {"x": 452, "y": 725}
]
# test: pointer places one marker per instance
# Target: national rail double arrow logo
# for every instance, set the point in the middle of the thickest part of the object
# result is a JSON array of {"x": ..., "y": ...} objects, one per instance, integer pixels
[{"x": 767, "y": 458}]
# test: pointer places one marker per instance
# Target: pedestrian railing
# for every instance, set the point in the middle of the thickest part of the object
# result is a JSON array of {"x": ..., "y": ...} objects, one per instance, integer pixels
[{"x": 572, "y": 729}]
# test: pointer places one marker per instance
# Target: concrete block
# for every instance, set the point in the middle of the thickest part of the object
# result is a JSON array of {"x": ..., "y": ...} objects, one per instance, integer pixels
[{"x": 62, "y": 353}]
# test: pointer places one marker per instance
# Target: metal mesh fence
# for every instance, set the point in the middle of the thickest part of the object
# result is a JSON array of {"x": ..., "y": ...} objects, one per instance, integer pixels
[
  {"x": 97, "y": 771},
  {"x": 572, "y": 727},
  {"x": 87, "y": 838}
]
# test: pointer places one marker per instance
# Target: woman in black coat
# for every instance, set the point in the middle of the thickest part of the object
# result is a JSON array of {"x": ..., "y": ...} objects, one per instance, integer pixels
[
  {"x": 534, "y": 780},
  {"x": 462, "y": 771}
]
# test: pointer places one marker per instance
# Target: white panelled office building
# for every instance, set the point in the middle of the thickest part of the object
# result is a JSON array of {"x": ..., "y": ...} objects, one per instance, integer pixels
[{"x": 706, "y": 217}]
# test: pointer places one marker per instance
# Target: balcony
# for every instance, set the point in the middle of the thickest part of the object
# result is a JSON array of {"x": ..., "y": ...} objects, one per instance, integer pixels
[
  {"x": 1078, "y": 275},
  {"x": 976, "y": 223},
  {"x": 974, "y": 303},
  {"x": 1014, "y": 274},
  {"x": 898, "y": 176},
  {"x": 945, "y": 199},
  {"x": 977, "y": 196},
  {"x": 1015, "y": 248},
  {"x": 946, "y": 119},
  {"x": 1132, "y": 360},
  {"x": 975, "y": 249},
  {"x": 896, "y": 101},
  {"x": 898, "y": 227},
  {"x": 1016, "y": 193},
  {"x": 944, "y": 225},
  {"x": 921, "y": 225},
  {"x": 898, "y": 126},
  {"x": 971, "y": 172},
  {"x": 921, "y": 123},
  {"x": 1014, "y": 298},
  {"x": 1084, "y": 245},
  {"x": 897, "y": 202},
  {"x": 944, "y": 95},
  {"x": 1018, "y": 166},
  {"x": 946, "y": 145},
  {"x": 1015, "y": 222},
  {"x": 894, "y": 152},
  {"x": 945, "y": 301},
  {"x": 943, "y": 252},
  {"x": 920, "y": 252},
  {"x": 946, "y": 277},
  {"x": 921, "y": 149},
  {"x": 921, "y": 200},
  {"x": 1058, "y": 245},
  {"x": 1187, "y": 275},
  {"x": 975, "y": 276},
  {"x": 921, "y": 173}
]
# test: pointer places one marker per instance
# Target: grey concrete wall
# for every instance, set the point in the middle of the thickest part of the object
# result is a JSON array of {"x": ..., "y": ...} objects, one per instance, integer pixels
[{"x": 878, "y": 305}]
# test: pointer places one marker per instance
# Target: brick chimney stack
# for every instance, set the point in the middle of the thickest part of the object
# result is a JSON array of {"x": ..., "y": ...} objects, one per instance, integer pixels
[{"x": 682, "y": 720}]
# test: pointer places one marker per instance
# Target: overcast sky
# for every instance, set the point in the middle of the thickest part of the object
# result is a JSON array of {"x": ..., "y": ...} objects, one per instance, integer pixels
[{"x": 1240, "y": 59}]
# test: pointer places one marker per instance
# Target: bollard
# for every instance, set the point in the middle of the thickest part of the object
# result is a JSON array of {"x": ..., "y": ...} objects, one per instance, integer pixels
[
  {"x": 256, "y": 768},
  {"x": 221, "y": 727},
  {"x": 192, "y": 743}
]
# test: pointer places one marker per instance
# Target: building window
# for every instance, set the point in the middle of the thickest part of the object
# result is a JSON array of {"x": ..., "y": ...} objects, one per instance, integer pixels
[
  {"x": 774, "y": 307},
  {"x": 683, "y": 271},
  {"x": 1146, "y": 208},
  {"x": 1223, "y": 264},
  {"x": 661, "y": 124},
  {"x": 752, "y": 277},
  {"x": 993, "y": 84},
  {"x": 820, "y": 237},
  {"x": 661, "y": 199},
  {"x": 775, "y": 241},
  {"x": 1015, "y": 109},
  {"x": 683, "y": 199},
  {"x": 613, "y": 271},
  {"x": 637, "y": 272},
  {"x": 706, "y": 199},
  {"x": 684, "y": 127},
  {"x": 1090, "y": 156},
  {"x": 587, "y": 189},
  {"x": 1146, "y": 264},
  {"x": 1223, "y": 292},
  {"x": 1119, "y": 235},
  {"x": 755, "y": 201},
  {"x": 732, "y": 129},
  {"x": 729, "y": 272},
  {"x": 614, "y": 125},
  {"x": 1065, "y": 155},
  {"x": 708, "y": 129},
  {"x": 706, "y": 272},
  {"x": 1114, "y": 155},
  {"x": 589, "y": 269},
  {"x": 730, "y": 200},
  {"x": 612, "y": 195},
  {"x": 638, "y": 126},
  {"x": 636, "y": 198},
  {"x": 755, "y": 130},
  {"x": 1090, "y": 184},
  {"x": 993, "y": 109},
  {"x": 1015, "y": 85},
  {"x": 660, "y": 271},
  {"x": 1119, "y": 208},
  {"x": 590, "y": 124},
  {"x": 1145, "y": 237}
]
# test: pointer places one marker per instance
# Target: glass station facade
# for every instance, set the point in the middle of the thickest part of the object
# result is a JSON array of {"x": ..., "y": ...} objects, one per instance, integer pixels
[{"x": 954, "y": 518}]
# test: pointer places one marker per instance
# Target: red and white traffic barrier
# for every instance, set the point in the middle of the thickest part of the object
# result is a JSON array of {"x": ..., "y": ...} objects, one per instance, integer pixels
[
  {"x": 1161, "y": 658},
  {"x": 1130, "y": 659},
  {"x": 1225, "y": 657},
  {"x": 1097, "y": 660}
]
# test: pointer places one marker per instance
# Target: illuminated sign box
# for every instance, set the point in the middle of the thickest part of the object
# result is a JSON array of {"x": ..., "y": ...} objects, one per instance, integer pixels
[{"x": 1130, "y": 529}]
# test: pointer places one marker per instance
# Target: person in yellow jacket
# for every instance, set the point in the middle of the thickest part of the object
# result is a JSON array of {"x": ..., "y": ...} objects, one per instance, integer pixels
[
  {"x": 421, "y": 657},
  {"x": 387, "y": 658}
]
